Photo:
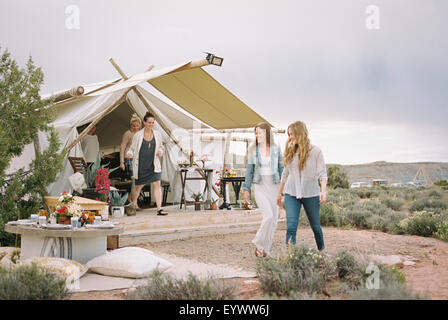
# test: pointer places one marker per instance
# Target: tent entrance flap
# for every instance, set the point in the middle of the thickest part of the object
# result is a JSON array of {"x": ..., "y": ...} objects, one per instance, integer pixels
[{"x": 202, "y": 96}]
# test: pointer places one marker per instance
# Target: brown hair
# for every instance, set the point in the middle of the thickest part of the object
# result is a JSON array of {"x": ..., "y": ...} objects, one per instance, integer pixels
[{"x": 264, "y": 126}]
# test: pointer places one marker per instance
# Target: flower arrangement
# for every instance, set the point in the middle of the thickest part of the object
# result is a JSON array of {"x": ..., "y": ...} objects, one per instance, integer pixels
[
  {"x": 67, "y": 207},
  {"x": 204, "y": 158},
  {"x": 183, "y": 164},
  {"x": 248, "y": 205},
  {"x": 102, "y": 184},
  {"x": 66, "y": 198}
]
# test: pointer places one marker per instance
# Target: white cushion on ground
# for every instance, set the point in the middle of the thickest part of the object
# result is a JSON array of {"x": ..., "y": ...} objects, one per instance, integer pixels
[
  {"x": 130, "y": 262},
  {"x": 64, "y": 267}
]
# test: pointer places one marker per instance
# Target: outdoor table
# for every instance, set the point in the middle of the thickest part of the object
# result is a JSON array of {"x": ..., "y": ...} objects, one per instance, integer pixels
[
  {"x": 79, "y": 244},
  {"x": 184, "y": 178},
  {"x": 236, "y": 183}
]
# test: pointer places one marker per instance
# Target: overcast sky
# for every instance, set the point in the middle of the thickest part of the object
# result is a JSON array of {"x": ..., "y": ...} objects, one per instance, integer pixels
[{"x": 365, "y": 94}]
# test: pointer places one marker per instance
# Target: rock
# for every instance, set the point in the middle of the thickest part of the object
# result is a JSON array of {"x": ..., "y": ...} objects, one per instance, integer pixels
[
  {"x": 393, "y": 260},
  {"x": 408, "y": 263}
]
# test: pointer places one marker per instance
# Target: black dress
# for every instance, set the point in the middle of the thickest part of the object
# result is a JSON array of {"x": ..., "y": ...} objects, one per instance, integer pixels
[{"x": 146, "y": 156}]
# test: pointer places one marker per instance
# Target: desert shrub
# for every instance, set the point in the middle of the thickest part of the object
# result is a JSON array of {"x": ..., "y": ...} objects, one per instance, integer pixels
[
  {"x": 163, "y": 286},
  {"x": 441, "y": 183},
  {"x": 428, "y": 204},
  {"x": 435, "y": 194},
  {"x": 328, "y": 215},
  {"x": 442, "y": 231},
  {"x": 390, "y": 291},
  {"x": 299, "y": 269},
  {"x": 355, "y": 215},
  {"x": 346, "y": 264},
  {"x": 392, "y": 203},
  {"x": 342, "y": 197},
  {"x": 31, "y": 283},
  {"x": 421, "y": 224}
]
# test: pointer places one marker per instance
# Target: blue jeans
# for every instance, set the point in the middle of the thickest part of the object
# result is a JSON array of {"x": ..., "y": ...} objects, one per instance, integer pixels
[{"x": 312, "y": 209}]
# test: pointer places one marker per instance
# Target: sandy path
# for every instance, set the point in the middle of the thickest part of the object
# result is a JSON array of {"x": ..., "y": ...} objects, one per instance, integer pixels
[{"x": 428, "y": 276}]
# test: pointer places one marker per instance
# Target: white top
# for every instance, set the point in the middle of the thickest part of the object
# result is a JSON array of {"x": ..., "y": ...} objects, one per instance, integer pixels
[
  {"x": 90, "y": 147},
  {"x": 265, "y": 168},
  {"x": 304, "y": 183}
]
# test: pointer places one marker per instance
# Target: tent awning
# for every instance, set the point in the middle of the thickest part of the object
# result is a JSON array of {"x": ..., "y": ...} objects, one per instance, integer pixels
[{"x": 205, "y": 98}]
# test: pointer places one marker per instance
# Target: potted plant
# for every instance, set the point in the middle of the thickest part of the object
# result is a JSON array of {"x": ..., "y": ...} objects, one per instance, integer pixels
[
  {"x": 197, "y": 200},
  {"x": 117, "y": 203},
  {"x": 97, "y": 187},
  {"x": 214, "y": 205}
]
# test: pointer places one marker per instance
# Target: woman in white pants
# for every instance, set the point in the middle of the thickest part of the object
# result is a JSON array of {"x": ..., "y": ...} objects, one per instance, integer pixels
[{"x": 264, "y": 169}]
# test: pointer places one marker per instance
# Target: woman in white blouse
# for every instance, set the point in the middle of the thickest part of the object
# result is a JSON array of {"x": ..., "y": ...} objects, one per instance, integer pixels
[{"x": 304, "y": 166}]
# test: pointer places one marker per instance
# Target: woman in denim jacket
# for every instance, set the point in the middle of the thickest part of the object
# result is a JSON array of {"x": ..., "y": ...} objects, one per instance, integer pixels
[{"x": 264, "y": 169}]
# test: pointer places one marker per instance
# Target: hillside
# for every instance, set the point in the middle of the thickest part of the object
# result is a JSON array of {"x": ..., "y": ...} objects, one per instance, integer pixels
[{"x": 394, "y": 172}]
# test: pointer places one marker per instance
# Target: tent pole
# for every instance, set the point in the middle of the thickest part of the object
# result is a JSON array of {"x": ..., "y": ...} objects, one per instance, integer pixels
[
  {"x": 157, "y": 118},
  {"x": 73, "y": 92},
  {"x": 94, "y": 122}
]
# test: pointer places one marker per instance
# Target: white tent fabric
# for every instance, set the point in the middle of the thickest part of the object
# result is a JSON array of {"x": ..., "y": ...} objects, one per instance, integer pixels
[
  {"x": 137, "y": 79},
  {"x": 77, "y": 112}
]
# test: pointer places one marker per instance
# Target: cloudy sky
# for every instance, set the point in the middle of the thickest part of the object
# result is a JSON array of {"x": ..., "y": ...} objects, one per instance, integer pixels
[{"x": 371, "y": 84}]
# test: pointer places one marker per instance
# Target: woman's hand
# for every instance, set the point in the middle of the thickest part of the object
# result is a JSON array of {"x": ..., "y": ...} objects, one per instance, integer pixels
[
  {"x": 323, "y": 197},
  {"x": 122, "y": 166},
  {"x": 159, "y": 153},
  {"x": 279, "y": 200},
  {"x": 246, "y": 195}
]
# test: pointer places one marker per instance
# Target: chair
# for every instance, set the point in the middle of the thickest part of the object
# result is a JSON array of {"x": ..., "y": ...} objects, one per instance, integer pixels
[{"x": 78, "y": 164}]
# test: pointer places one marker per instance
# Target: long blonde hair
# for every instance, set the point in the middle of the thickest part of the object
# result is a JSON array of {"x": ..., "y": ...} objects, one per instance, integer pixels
[{"x": 299, "y": 130}]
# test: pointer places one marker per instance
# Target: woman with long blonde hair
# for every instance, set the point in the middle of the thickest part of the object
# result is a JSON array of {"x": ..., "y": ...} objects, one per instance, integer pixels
[
  {"x": 304, "y": 166},
  {"x": 264, "y": 169}
]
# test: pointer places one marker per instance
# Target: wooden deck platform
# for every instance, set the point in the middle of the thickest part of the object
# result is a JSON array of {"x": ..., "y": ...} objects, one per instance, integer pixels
[{"x": 147, "y": 226}]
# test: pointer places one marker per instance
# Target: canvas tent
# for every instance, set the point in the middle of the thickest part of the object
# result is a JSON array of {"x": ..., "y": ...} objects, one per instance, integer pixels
[{"x": 110, "y": 104}]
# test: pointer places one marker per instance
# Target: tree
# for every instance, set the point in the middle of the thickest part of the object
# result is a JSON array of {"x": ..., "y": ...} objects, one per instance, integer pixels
[
  {"x": 22, "y": 115},
  {"x": 337, "y": 178}
]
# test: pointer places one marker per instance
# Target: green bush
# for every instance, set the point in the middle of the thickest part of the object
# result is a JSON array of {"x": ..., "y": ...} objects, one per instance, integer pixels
[
  {"x": 346, "y": 264},
  {"x": 393, "y": 203},
  {"x": 421, "y": 224},
  {"x": 428, "y": 204},
  {"x": 355, "y": 215},
  {"x": 299, "y": 269},
  {"x": 442, "y": 231},
  {"x": 163, "y": 286},
  {"x": 390, "y": 291},
  {"x": 328, "y": 215},
  {"x": 435, "y": 194},
  {"x": 31, "y": 283},
  {"x": 441, "y": 183}
]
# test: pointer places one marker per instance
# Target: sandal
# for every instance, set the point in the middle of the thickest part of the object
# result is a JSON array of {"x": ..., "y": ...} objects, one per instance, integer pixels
[
  {"x": 161, "y": 212},
  {"x": 258, "y": 253}
]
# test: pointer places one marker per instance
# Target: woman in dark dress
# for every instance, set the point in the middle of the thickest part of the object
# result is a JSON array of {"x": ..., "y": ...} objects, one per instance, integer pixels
[{"x": 146, "y": 150}]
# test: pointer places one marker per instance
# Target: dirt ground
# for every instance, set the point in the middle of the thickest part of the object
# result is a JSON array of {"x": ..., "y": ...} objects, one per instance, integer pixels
[{"x": 428, "y": 276}]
